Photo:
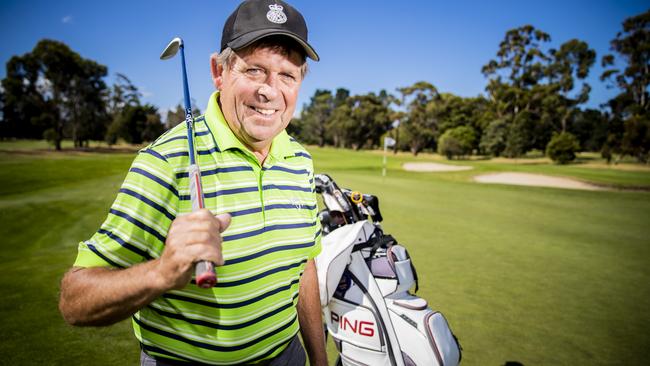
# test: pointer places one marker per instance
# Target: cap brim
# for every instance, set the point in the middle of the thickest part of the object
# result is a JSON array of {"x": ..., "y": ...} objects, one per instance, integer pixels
[{"x": 250, "y": 37}]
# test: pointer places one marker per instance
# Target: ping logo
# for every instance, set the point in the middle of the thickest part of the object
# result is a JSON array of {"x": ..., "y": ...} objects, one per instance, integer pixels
[{"x": 361, "y": 327}]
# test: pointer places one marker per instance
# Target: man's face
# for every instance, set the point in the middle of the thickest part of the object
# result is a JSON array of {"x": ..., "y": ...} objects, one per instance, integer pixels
[{"x": 258, "y": 94}]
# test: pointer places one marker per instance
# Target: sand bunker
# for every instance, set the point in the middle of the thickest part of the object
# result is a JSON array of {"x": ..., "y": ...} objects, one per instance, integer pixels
[
  {"x": 434, "y": 167},
  {"x": 538, "y": 180}
]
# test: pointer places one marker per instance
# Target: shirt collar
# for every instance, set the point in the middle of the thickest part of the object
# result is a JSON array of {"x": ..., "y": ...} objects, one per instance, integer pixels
[{"x": 226, "y": 139}]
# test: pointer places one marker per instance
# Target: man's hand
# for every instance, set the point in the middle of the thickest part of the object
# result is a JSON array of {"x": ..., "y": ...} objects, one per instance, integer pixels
[
  {"x": 191, "y": 238},
  {"x": 104, "y": 296}
]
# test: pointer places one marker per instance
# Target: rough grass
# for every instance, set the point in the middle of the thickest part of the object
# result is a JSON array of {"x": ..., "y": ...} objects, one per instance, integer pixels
[{"x": 539, "y": 276}]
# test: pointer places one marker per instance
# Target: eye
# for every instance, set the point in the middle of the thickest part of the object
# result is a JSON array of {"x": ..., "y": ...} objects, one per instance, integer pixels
[
  {"x": 254, "y": 71},
  {"x": 288, "y": 77}
]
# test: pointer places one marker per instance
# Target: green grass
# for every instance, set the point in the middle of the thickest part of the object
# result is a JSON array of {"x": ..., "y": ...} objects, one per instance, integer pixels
[{"x": 539, "y": 276}]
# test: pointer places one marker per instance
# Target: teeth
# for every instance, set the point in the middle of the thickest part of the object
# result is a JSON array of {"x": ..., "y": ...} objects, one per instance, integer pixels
[{"x": 265, "y": 111}]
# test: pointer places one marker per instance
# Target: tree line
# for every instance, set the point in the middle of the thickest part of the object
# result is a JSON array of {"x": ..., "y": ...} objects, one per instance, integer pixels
[
  {"x": 54, "y": 93},
  {"x": 534, "y": 98},
  {"x": 533, "y": 101}
]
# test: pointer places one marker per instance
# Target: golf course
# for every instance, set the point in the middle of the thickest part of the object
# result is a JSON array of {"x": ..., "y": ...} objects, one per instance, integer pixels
[{"x": 525, "y": 275}]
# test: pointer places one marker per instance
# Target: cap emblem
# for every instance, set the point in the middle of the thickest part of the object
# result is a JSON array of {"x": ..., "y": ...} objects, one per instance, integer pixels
[{"x": 276, "y": 15}]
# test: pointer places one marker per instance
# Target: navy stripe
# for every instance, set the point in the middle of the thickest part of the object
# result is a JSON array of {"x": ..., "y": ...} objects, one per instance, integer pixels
[
  {"x": 133, "y": 248},
  {"x": 270, "y": 207},
  {"x": 207, "y": 152},
  {"x": 305, "y": 155},
  {"x": 177, "y": 154},
  {"x": 205, "y": 173},
  {"x": 286, "y": 188},
  {"x": 224, "y": 192},
  {"x": 267, "y": 251},
  {"x": 185, "y": 153},
  {"x": 260, "y": 275},
  {"x": 155, "y": 179},
  {"x": 172, "y": 139},
  {"x": 317, "y": 233},
  {"x": 287, "y": 170},
  {"x": 138, "y": 224},
  {"x": 202, "y": 133},
  {"x": 156, "y": 154},
  {"x": 209, "y": 346},
  {"x": 289, "y": 206},
  {"x": 245, "y": 212},
  {"x": 149, "y": 202},
  {"x": 100, "y": 255},
  {"x": 267, "y": 229},
  {"x": 213, "y": 325},
  {"x": 200, "y": 118},
  {"x": 235, "y": 305}
]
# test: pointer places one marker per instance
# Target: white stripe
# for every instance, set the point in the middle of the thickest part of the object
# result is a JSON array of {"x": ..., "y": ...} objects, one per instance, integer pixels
[
  {"x": 255, "y": 270},
  {"x": 152, "y": 195},
  {"x": 145, "y": 220}
]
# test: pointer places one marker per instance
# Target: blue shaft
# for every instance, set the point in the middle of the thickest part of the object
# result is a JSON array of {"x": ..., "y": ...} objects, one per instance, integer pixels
[{"x": 188, "y": 107}]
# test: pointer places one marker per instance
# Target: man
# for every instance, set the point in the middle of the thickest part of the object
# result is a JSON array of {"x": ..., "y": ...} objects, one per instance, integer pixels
[{"x": 258, "y": 182}]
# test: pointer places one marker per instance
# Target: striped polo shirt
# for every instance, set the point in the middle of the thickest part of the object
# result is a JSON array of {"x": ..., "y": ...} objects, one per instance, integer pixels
[{"x": 250, "y": 314}]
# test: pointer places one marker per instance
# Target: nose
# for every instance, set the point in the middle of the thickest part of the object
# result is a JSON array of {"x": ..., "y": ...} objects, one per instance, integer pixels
[{"x": 268, "y": 89}]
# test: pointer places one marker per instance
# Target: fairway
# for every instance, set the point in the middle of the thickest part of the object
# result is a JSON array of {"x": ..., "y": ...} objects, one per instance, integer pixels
[{"x": 538, "y": 276}]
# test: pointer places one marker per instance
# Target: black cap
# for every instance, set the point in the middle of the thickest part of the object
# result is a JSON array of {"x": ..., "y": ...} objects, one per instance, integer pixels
[{"x": 256, "y": 19}]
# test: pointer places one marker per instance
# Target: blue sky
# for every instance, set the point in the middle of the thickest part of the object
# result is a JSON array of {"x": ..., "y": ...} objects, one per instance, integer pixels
[{"x": 364, "y": 45}]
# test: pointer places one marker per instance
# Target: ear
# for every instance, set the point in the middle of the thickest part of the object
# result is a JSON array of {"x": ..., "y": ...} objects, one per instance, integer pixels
[{"x": 217, "y": 71}]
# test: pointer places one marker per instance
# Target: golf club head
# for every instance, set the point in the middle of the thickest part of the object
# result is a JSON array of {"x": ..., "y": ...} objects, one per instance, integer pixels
[{"x": 172, "y": 48}]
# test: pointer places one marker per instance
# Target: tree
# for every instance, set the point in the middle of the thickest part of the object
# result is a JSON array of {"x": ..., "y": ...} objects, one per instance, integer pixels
[
  {"x": 533, "y": 90},
  {"x": 136, "y": 124},
  {"x": 177, "y": 115},
  {"x": 570, "y": 62},
  {"x": 590, "y": 128},
  {"x": 632, "y": 105},
  {"x": 514, "y": 79},
  {"x": 123, "y": 93},
  {"x": 420, "y": 124},
  {"x": 633, "y": 46},
  {"x": 54, "y": 89},
  {"x": 494, "y": 140},
  {"x": 368, "y": 120}
]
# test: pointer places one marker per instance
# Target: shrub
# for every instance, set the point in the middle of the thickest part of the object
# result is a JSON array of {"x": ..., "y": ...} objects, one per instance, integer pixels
[
  {"x": 457, "y": 142},
  {"x": 562, "y": 148}
]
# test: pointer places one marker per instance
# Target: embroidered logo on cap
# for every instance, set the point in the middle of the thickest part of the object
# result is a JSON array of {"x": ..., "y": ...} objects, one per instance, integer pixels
[{"x": 276, "y": 15}]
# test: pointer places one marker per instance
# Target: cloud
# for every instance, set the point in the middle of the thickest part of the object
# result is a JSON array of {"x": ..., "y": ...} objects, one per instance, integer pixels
[
  {"x": 66, "y": 19},
  {"x": 146, "y": 93}
]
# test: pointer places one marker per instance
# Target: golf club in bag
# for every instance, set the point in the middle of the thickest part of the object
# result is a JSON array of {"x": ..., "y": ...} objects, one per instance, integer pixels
[
  {"x": 364, "y": 278},
  {"x": 204, "y": 271}
]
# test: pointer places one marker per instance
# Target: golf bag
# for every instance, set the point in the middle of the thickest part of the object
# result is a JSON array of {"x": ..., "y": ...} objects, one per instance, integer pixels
[{"x": 364, "y": 278}]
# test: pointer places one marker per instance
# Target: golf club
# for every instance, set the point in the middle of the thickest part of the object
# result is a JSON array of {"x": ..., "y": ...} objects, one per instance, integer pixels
[{"x": 204, "y": 271}]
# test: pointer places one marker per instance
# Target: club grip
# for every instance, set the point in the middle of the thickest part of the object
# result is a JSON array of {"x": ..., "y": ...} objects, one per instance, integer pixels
[{"x": 206, "y": 276}]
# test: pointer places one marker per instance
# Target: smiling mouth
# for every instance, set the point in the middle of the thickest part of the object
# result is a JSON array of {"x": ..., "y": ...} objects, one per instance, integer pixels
[{"x": 266, "y": 112}]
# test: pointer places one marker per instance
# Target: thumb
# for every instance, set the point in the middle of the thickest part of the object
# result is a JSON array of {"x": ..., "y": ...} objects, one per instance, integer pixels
[{"x": 224, "y": 221}]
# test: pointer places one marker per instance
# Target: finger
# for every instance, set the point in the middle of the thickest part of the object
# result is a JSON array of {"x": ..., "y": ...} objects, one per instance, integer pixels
[
  {"x": 224, "y": 221},
  {"x": 202, "y": 214}
]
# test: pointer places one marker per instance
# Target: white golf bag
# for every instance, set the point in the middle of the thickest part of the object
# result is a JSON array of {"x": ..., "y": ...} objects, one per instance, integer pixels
[{"x": 364, "y": 278}]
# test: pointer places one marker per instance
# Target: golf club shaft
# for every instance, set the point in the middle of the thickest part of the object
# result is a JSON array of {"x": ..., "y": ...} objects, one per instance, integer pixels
[{"x": 204, "y": 271}]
